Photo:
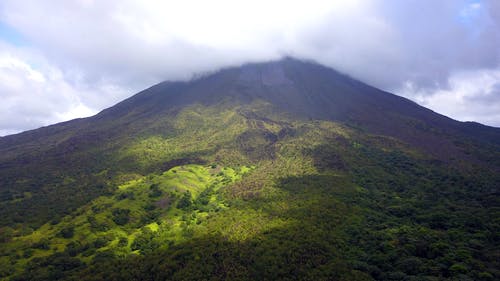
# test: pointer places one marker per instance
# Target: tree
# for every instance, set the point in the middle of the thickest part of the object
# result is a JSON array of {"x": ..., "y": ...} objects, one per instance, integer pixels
[
  {"x": 67, "y": 232},
  {"x": 121, "y": 216},
  {"x": 186, "y": 201}
]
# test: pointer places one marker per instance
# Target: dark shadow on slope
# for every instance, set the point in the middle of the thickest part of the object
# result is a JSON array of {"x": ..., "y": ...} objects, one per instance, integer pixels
[{"x": 420, "y": 216}]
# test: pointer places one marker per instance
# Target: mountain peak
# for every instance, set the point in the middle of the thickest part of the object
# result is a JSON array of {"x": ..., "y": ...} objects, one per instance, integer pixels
[{"x": 301, "y": 89}]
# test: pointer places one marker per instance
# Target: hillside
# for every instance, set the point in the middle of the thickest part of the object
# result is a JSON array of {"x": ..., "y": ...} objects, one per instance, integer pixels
[{"x": 281, "y": 170}]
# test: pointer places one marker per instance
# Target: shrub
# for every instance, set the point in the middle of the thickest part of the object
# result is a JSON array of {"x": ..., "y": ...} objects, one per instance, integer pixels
[
  {"x": 458, "y": 268},
  {"x": 43, "y": 244},
  {"x": 123, "y": 242},
  {"x": 121, "y": 216},
  {"x": 67, "y": 232},
  {"x": 155, "y": 191},
  {"x": 185, "y": 201}
]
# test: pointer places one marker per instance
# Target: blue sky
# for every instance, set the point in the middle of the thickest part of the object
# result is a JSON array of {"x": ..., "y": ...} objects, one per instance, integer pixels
[
  {"x": 11, "y": 35},
  {"x": 64, "y": 59}
]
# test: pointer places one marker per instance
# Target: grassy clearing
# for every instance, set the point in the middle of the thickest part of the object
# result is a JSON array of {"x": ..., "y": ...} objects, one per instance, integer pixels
[{"x": 141, "y": 215}]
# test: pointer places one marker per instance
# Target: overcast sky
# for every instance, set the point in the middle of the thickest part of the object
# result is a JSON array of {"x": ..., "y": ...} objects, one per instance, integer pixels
[{"x": 65, "y": 59}]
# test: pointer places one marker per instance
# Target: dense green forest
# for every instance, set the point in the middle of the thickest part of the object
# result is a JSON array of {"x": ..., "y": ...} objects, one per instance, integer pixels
[{"x": 247, "y": 192}]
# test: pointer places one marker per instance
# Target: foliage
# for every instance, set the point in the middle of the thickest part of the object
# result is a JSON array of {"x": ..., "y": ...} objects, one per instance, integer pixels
[
  {"x": 244, "y": 193},
  {"x": 121, "y": 216},
  {"x": 185, "y": 201}
]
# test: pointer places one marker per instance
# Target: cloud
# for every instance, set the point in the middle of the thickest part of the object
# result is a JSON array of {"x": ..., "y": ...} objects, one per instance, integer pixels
[
  {"x": 31, "y": 98},
  {"x": 470, "y": 96},
  {"x": 35, "y": 94},
  {"x": 104, "y": 51}
]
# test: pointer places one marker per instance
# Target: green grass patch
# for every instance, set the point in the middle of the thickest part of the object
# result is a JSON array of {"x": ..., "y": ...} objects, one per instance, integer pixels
[{"x": 142, "y": 215}]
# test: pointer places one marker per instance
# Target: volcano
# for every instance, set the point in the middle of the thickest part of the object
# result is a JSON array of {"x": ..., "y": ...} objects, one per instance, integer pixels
[{"x": 282, "y": 170}]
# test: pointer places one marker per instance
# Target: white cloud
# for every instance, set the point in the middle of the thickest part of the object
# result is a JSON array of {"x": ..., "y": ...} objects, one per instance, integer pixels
[
  {"x": 471, "y": 96},
  {"x": 36, "y": 94}
]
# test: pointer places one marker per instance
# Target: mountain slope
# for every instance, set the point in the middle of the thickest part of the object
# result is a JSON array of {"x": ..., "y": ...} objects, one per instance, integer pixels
[
  {"x": 303, "y": 89},
  {"x": 293, "y": 170}
]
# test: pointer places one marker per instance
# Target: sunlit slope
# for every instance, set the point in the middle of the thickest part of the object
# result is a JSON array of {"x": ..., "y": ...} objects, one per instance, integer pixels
[{"x": 140, "y": 216}]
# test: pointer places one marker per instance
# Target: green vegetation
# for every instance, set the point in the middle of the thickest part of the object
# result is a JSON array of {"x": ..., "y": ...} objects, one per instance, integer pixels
[
  {"x": 232, "y": 190},
  {"x": 322, "y": 202},
  {"x": 142, "y": 216}
]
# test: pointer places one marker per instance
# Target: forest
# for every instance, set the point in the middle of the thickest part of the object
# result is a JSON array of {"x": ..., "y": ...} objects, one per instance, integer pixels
[{"x": 321, "y": 202}]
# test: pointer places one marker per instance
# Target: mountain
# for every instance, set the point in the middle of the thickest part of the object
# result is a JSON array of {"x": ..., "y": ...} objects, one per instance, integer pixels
[{"x": 281, "y": 170}]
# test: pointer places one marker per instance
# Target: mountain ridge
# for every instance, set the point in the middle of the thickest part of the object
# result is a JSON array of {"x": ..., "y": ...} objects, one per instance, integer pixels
[
  {"x": 329, "y": 96},
  {"x": 165, "y": 87}
]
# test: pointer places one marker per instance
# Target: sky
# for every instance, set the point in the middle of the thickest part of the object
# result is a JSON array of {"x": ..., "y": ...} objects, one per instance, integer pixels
[{"x": 63, "y": 59}]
